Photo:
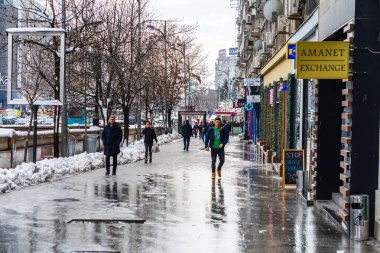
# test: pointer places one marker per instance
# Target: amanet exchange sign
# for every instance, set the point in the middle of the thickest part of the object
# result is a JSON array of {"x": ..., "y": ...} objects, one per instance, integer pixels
[{"x": 322, "y": 60}]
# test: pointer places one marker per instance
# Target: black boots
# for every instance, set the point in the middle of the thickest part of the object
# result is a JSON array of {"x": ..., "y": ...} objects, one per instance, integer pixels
[
  {"x": 107, "y": 172},
  {"x": 150, "y": 160}
]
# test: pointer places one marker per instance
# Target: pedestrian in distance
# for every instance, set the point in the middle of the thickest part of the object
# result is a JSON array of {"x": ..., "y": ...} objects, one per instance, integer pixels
[
  {"x": 149, "y": 137},
  {"x": 195, "y": 130},
  {"x": 200, "y": 130},
  {"x": 216, "y": 139},
  {"x": 111, "y": 138},
  {"x": 187, "y": 132},
  {"x": 226, "y": 126}
]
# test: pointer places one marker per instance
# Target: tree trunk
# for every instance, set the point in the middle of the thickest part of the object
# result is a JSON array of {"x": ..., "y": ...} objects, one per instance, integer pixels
[
  {"x": 169, "y": 117},
  {"x": 27, "y": 137},
  {"x": 126, "y": 124}
]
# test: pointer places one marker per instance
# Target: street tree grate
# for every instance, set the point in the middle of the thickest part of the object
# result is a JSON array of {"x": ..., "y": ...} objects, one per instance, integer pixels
[{"x": 106, "y": 221}]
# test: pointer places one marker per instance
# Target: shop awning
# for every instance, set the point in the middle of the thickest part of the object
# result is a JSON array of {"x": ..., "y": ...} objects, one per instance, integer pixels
[{"x": 226, "y": 113}]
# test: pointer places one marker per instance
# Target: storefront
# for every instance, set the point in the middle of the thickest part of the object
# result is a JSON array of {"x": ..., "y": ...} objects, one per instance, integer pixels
[{"x": 277, "y": 106}]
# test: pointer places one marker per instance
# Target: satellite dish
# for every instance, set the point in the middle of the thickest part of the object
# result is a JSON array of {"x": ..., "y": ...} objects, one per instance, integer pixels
[
  {"x": 258, "y": 45},
  {"x": 272, "y": 9}
]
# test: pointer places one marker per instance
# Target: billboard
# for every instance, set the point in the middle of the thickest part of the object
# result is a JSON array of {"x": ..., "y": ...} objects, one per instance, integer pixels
[{"x": 222, "y": 54}]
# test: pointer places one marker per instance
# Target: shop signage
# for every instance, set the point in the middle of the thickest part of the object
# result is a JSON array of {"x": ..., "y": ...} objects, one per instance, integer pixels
[
  {"x": 322, "y": 60},
  {"x": 283, "y": 87},
  {"x": 253, "y": 99},
  {"x": 292, "y": 161},
  {"x": 252, "y": 81},
  {"x": 271, "y": 97},
  {"x": 233, "y": 51},
  {"x": 291, "y": 51},
  {"x": 248, "y": 106}
]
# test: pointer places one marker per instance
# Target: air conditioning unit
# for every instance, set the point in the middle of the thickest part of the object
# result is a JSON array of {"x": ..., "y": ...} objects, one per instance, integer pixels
[
  {"x": 281, "y": 24},
  {"x": 269, "y": 39},
  {"x": 253, "y": 11},
  {"x": 264, "y": 48},
  {"x": 293, "y": 7},
  {"x": 256, "y": 62},
  {"x": 248, "y": 19}
]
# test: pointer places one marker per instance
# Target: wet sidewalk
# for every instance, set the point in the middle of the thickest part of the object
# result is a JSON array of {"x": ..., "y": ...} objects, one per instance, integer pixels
[{"x": 171, "y": 205}]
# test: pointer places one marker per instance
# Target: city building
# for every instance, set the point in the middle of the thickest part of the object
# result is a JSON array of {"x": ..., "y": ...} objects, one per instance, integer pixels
[{"x": 8, "y": 19}]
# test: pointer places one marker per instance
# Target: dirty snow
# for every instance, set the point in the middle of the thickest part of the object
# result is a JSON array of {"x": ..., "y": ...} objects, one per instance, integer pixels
[
  {"x": 28, "y": 174},
  {"x": 6, "y": 132}
]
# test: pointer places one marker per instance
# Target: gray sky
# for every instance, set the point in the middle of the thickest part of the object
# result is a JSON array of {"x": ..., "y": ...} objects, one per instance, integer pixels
[{"x": 215, "y": 18}]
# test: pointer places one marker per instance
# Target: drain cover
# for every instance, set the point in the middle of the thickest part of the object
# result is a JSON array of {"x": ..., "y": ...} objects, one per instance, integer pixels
[
  {"x": 106, "y": 221},
  {"x": 66, "y": 200}
]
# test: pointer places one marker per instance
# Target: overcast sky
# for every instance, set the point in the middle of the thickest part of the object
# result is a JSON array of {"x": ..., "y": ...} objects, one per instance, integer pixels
[{"x": 216, "y": 20}]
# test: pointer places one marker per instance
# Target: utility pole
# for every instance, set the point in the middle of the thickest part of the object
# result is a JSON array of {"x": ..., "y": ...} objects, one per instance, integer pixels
[
  {"x": 184, "y": 69},
  {"x": 138, "y": 120},
  {"x": 166, "y": 78},
  {"x": 64, "y": 102}
]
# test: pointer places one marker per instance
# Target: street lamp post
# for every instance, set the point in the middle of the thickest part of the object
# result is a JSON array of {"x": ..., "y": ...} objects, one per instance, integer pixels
[
  {"x": 164, "y": 34},
  {"x": 64, "y": 131}
]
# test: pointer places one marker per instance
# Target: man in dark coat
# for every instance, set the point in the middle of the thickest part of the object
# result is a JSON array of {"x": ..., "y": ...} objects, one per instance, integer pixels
[
  {"x": 226, "y": 126},
  {"x": 216, "y": 139},
  {"x": 149, "y": 136},
  {"x": 111, "y": 137},
  {"x": 187, "y": 132}
]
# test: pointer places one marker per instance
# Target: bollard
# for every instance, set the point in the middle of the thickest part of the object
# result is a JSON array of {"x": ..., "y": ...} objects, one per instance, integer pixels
[
  {"x": 359, "y": 217},
  {"x": 299, "y": 181}
]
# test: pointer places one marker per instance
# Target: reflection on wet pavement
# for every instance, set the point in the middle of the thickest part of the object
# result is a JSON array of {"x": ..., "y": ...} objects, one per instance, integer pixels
[{"x": 185, "y": 211}]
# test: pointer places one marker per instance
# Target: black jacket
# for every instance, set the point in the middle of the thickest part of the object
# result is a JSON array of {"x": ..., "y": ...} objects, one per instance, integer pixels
[
  {"x": 149, "y": 135},
  {"x": 187, "y": 131},
  {"x": 112, "y": 137}
]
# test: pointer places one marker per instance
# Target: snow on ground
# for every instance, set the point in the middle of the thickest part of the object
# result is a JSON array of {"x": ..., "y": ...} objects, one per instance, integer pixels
[
  {"x": 6, "y": 132},
  {"x": 51, "y": 169}
]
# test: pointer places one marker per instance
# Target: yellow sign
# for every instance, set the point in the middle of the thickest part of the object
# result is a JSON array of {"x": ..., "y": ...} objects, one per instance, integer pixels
[{"x": 322, "y": 60}]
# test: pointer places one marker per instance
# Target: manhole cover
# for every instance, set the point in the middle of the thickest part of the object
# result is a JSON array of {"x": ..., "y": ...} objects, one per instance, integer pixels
[
  {"x": 106, "y": 221},
  {"x": 66, "y": 200}
]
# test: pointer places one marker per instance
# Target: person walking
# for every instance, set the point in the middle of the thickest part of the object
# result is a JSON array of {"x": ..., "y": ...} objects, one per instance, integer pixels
[
  {"x": 111, "y": 138},
  {"x": 200, "y": 129},
  {"x": 149, "y": 136},
  {"x": 216, "y": 139},
  {"x": 187, "y": 132},
  {"x": 226, "y": 126}
]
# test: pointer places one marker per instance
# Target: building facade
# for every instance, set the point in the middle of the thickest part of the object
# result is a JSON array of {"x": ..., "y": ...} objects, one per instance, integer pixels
[
  {"x": 8, "y": 19},
  {"x": 335, "y": 121}
]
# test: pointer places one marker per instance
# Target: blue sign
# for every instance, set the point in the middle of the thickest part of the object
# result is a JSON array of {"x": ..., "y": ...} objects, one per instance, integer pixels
[
  {"x": 233, "y": 50},
  {"x": 291, "y": 51},
  {"x": 283, "y": 87},
  {"x": 248, "y": 106}
]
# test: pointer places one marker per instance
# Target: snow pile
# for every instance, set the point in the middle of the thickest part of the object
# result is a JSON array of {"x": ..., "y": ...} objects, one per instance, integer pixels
[
  {"x": 49, "y": 169},
  {"x": 6, "y": 132},
  {"x": 136, "y": 152}
]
